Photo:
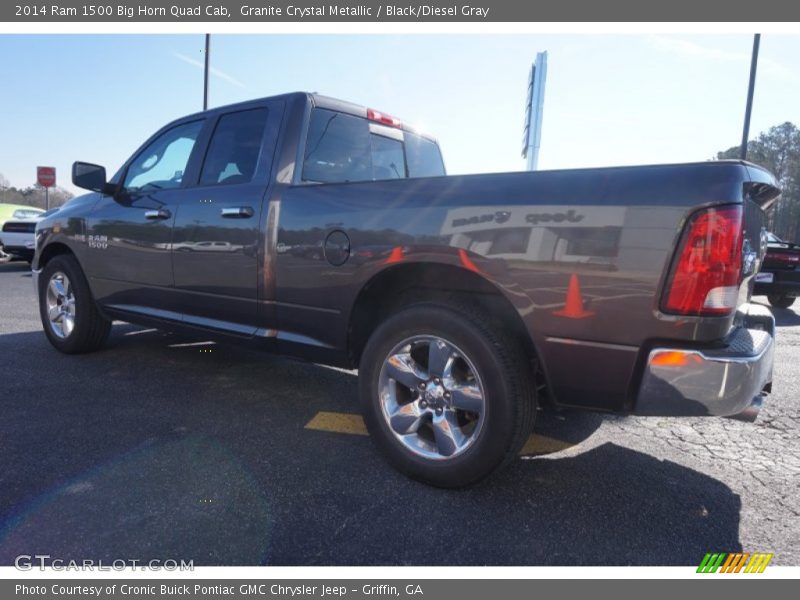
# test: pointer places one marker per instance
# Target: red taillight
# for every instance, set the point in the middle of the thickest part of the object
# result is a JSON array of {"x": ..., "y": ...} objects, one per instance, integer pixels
[
  {"x": 706, "y": 275},
  {"x": 383, "y": 119}
]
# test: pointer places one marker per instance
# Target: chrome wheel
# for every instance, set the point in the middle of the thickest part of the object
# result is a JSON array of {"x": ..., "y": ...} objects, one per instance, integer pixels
[
  {"x": 431, "y": 397},
  {"x": 60, "y": 303}
]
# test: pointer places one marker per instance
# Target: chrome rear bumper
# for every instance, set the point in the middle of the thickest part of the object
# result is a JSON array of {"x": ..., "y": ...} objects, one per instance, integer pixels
[{"x": 728, "y": 382}]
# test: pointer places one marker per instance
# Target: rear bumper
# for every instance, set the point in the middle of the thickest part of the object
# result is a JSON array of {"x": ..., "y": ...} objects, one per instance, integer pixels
[
  {"x": 19, "y": 252},
  {"x": 729, "y": 381},
  {"x": 18, "y": 239}
]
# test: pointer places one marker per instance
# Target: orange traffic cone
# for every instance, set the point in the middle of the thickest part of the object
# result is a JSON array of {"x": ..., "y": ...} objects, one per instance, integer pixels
[
  {"x": 467, "y": 261},
  {"x": 395, "y": 256},
  {"x": 573, "y": 309}
]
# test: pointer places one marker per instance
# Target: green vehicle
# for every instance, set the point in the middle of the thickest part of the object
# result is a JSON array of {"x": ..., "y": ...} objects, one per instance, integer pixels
[{"x": 17, "y": 211}]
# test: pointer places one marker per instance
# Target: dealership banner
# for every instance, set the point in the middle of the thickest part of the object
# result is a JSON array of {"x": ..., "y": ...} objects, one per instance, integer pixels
[
  {"x": 441, "y": 11},
  {"x": 353, "y": 589}
]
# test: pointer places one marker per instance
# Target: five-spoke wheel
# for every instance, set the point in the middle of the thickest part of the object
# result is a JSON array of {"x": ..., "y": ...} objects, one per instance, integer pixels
[
  {"x": 71, "y": 319},
  {"x": 447, "y": 393},
  {"x": 60, "y": 304},
  {"x": 431, "y": 396}
]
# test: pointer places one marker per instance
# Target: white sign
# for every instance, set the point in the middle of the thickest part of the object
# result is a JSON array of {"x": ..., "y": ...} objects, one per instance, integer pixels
[{"x": 534, "y": 106}]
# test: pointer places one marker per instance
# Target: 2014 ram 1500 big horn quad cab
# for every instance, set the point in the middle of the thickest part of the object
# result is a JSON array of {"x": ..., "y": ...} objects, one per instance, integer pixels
[{"x": 324, "y": 230}]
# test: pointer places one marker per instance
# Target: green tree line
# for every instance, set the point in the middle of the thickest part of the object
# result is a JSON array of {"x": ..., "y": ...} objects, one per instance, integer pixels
[
  {"x": 779, "y": 151},
  {"x": 32, "y": 195}
]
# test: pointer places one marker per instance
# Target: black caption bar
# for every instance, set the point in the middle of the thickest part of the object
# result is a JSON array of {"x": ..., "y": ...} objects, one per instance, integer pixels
[
  {"x": 318, "y": 589},
  {"x": 430, "y": 11}
]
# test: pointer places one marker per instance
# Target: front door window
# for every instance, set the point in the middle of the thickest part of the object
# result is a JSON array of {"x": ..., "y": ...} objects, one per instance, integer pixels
[{"x": 162, "y": 163}]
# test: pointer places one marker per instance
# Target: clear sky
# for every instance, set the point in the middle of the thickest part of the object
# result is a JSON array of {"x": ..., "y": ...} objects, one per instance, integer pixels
[{"x": 610, "y": 99}]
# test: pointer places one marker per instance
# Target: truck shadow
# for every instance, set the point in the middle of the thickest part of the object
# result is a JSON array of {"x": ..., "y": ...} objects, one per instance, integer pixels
[
  {"x": 784, "y": 317},
  {"x": 155, "y": 448},
  {"x": 15, "y": 266}
]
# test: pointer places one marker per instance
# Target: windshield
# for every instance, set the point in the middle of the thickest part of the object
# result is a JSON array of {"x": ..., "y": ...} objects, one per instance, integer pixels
[{"x": 27, "y": 213}]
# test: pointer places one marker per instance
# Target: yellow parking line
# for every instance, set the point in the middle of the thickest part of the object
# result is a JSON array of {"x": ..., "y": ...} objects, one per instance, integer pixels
[
  {"x": 542, "y": 444},
  {"x": 338, "y": 422}
]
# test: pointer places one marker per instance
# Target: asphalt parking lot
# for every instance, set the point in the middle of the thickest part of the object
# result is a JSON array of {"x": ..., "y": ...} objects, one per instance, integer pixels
[{"x": 157, "y": 447}]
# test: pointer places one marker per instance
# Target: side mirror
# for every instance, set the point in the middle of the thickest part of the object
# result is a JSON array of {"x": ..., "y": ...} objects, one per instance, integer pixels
[{"x": 90, "y": 177}]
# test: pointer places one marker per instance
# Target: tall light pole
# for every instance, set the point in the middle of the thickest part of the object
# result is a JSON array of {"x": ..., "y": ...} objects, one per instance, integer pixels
[
  {"x": 205, "y": 72},
  {"x": 750, "y": 88}
]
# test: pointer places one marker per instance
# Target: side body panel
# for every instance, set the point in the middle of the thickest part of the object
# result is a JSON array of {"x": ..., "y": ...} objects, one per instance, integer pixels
[
  {"x": 610, "y": 231},
  {"x": 129, "y": 238},
  {"x": 67, "y": 227},
  {"x": 217, "y": 243},
  {"x": 128, "y": 259}
]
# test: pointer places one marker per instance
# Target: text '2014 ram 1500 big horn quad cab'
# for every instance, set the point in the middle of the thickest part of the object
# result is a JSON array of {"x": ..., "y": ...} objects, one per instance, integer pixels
[{"x": 324, "y": 230}]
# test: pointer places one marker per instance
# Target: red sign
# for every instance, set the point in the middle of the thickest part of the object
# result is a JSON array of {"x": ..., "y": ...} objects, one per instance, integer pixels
[{"x": 46, "y": 176}]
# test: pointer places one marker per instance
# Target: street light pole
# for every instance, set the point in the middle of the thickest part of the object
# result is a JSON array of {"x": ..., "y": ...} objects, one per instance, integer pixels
[
  {"x": 750, "y": 89},
  {"x": 205, "y": 72}
]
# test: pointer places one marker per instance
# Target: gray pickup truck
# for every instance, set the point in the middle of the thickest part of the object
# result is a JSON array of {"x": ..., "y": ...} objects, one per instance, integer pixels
[{"x": 320, "y": 229}]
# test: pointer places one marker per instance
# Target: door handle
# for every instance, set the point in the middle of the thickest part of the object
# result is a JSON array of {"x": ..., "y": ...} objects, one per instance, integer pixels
[
  {"x": 161, "y": 213},
  {"x": 240, "y": 212}
]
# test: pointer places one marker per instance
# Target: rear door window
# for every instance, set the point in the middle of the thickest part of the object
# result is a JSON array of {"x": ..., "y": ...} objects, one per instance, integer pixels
[{"x": 234, "y": 148}]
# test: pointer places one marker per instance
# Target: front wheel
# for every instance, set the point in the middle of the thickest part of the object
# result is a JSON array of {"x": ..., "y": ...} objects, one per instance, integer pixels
[
  {"x": 67, "y": 309},
  {"x": 780, "y": 301},
  {"x": 446, "y": 396}
]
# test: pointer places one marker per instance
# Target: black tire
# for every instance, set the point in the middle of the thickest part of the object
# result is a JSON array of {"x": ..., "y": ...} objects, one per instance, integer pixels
[
  {"x": 91, "y": 328},
  {"x": 508, "y": 391},
  {"x": 780, "y": 301}
]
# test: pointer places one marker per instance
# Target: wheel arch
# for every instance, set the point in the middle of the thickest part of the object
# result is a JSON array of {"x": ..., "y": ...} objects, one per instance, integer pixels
[
  {"x": 60, "y": 248},
  {"x": 398, "y": 285},
  {"x": 52, "y": 250}
]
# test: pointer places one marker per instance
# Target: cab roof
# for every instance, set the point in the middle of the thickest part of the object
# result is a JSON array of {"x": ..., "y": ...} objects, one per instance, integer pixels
[{"x": 318, "y": 101}]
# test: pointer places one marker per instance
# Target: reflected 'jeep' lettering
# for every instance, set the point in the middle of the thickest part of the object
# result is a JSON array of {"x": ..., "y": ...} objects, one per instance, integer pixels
[
  {"x": 499, "y": 217},
  {"x": 569, "y": 217}
]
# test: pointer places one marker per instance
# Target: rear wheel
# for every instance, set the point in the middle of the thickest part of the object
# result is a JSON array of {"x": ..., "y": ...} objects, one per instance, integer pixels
[
  {"x": 780, "y": 300},
  {"x": 447, "y": 397},
  {"x": 67, "y": 309}
]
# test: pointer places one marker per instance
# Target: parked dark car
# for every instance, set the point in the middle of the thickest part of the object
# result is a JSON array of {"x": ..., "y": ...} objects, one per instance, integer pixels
[
  {"x": 465, "y": 302},
  {"x": 779, "y": 278}
]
